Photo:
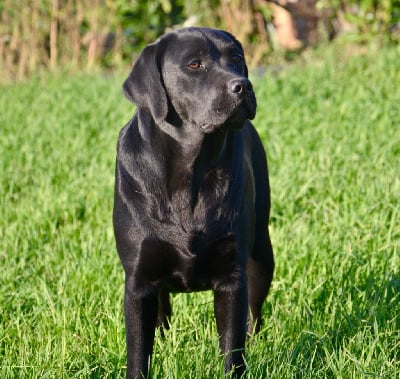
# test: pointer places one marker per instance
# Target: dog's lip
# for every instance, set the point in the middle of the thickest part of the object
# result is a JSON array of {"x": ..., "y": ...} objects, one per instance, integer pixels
[
  {"x": 251, "y": 104},
  {"x": 248, "y": 103},
  {"x": 251, "y": 109},
  {"x": 244, "y": 108}
]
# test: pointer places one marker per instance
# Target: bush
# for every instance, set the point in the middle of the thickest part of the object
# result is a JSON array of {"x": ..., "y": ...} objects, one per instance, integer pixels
[
  {"x": 365, "y": 18},
  {"x": 36, "y": 34}
]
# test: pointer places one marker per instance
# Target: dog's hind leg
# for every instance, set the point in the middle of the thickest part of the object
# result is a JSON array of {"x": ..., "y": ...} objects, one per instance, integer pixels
[
  {"x": 164, "y": 309},
  {"x": 260, "y": 268}
]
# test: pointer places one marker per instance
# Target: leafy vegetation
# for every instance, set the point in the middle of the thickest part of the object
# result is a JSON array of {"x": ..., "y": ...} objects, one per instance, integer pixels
[
  {"x": 49, "y": 34},
  {"x": 330, "y": 127},
  {"x": 368, "y": 17}
]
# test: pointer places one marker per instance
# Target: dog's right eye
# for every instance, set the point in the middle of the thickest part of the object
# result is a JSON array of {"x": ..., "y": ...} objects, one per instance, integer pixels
[
  {"x": 236, "y": 58},
  {"x": 194, "y": 65}
]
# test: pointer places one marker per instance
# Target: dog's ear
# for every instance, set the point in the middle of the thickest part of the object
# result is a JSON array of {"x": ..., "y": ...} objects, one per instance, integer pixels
[{"x": 144, "y": 86}]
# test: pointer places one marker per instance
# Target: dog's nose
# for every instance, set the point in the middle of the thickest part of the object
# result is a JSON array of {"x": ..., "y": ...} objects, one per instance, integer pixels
[{"x": 240, "y": 85}]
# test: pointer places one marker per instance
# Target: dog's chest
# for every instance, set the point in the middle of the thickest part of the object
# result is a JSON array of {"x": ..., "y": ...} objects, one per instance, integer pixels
[
  {"x": 193, "y": 250},
  {"x": 186, "y": 228},
  {"x": 192, "y": 202},
  {"x": 196, "y": 261}
]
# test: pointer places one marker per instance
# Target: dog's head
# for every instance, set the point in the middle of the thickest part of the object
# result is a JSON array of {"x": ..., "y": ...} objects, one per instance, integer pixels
[{"x": 193, "y": 76}]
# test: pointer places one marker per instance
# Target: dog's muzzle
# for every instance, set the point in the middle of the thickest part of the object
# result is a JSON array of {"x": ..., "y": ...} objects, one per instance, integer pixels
[
  {"x": 240, "y": 86},
  {"x": 243, "y": 90}
]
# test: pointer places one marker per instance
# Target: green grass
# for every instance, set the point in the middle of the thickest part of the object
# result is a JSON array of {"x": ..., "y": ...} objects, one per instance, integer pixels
[{"x": 332, "y": 132}]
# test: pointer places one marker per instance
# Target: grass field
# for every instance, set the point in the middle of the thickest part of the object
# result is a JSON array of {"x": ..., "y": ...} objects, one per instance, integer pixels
[{"x": 331, "y": 127}]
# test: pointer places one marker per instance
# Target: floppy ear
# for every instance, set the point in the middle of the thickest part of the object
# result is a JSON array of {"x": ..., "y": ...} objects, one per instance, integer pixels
[{"x": 144, "y": 86}]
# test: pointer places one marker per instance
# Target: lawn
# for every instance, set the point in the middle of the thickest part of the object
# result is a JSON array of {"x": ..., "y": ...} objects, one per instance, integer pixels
[{"x": 331, "y": 127}]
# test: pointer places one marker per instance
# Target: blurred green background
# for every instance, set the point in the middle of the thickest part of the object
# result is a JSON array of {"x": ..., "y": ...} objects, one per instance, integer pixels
[{"x": 76, "y": 34}]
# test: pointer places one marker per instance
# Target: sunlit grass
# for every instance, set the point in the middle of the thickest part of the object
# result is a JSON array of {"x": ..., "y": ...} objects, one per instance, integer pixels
[{"x": 331, "y": 130}]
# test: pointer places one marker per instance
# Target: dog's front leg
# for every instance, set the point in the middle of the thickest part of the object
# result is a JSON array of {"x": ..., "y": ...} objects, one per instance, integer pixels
[
  {"x": 140, "y": 322},
  {"x": 230, "y": 307}
]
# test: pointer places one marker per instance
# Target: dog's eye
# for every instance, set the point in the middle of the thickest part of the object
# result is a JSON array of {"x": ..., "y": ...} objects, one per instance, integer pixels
[
  {"x": 236, "y": 58},
  {"x": 194, "y": 64}
]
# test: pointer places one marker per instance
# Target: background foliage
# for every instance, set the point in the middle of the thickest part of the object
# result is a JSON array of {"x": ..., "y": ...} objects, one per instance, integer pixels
[{"x": 41, "y": 34}]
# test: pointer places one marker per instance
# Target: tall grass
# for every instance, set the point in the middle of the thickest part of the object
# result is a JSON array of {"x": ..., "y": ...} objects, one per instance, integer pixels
[{"x": 331, "y": 129}]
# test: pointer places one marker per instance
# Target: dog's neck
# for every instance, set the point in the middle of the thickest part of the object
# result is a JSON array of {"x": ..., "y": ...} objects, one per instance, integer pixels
[
  {"x": 186, "y": 155},
  {"x": 185, "y": 146}
]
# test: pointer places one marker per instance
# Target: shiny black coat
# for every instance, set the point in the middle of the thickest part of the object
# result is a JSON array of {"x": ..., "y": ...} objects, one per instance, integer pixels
[{"x": 191, "y": 191}]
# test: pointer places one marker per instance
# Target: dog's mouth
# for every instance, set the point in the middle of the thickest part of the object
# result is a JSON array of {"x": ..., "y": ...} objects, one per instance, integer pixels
[
  {"x": 232, "y": 113},
  {"x": 245, "y": 109},
  {"x": 251, "y": 106}
]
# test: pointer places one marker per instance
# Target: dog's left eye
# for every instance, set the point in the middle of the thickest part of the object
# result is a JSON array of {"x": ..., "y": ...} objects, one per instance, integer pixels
[
  {"x": 194, "y": 64},
  {"x": 236, "y": 58}
]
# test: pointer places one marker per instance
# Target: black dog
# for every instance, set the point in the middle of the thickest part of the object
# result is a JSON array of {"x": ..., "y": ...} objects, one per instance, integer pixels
[{"x": 192, "y": 194}]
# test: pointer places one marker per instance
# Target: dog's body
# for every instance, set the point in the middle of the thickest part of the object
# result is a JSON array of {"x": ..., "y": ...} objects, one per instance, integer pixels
[{"x": 192, "y": 194}]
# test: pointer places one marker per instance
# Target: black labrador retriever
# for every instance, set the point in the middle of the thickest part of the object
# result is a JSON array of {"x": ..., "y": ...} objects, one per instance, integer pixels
[{"x": 192, "y": 200}]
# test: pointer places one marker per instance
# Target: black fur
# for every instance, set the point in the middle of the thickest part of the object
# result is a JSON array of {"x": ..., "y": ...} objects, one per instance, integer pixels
[{"x": 192, "y": 198}]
